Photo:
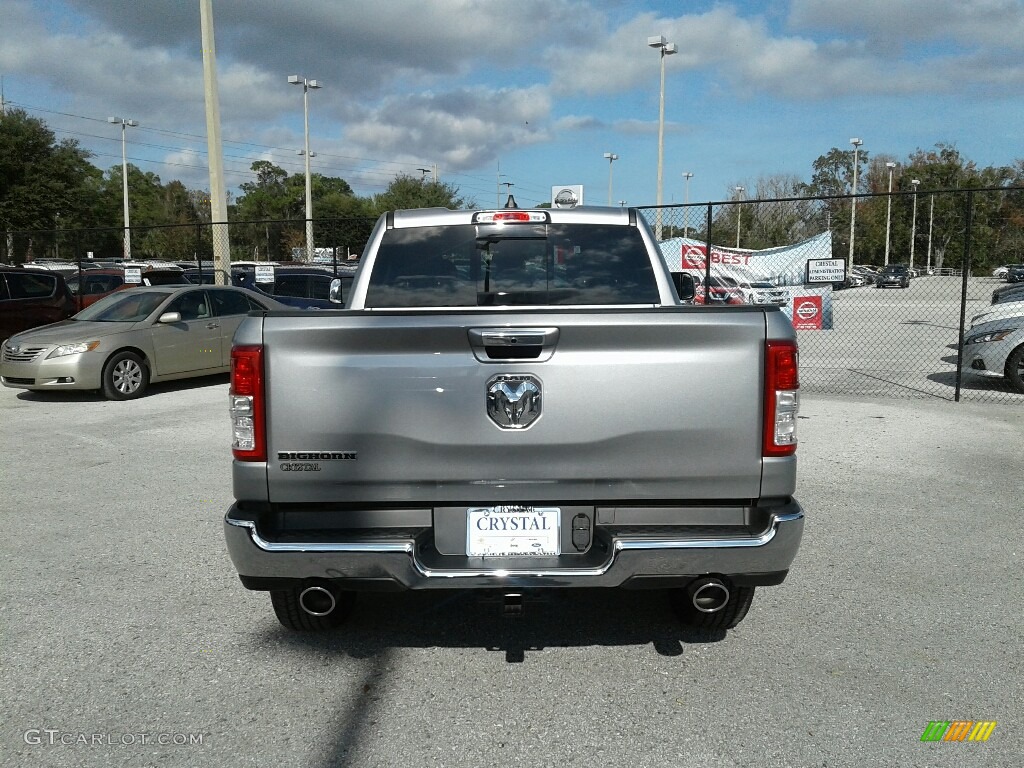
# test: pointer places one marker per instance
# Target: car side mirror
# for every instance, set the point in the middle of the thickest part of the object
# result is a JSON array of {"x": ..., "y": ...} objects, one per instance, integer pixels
[
  {"x": 685, "y": 286},
  {"x": 170, "y": 317},
  {"x": 334, "y": 294}
]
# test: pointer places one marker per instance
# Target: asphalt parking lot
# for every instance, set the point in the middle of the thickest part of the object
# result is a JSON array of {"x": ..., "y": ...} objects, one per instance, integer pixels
[{"x": 127, "y": 640}]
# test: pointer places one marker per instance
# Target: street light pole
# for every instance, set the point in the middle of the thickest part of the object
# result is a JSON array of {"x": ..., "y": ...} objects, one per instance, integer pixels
[
  {"x": 665, "y": 48},
  {"x": 739, "y": 213},
  {"x": 125, "y": 124},
  {"x": 913, "y": 223},
  {"x": 888, "y": 214},
  {"x": 853, "y": 210},
  {"x": 306, "y": 86},
  {"x": 686, "y": 201},
  {"x": 611, "y": 158},
  {"x": 931, "y": 224}
]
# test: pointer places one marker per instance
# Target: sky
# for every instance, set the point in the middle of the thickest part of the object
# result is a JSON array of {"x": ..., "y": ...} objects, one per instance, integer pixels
[{"x": 531, "y": 94}]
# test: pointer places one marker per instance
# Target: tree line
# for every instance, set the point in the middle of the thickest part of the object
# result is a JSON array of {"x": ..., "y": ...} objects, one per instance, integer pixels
[
  {"x": 50, "y": 189},
  {"x": 928, "y": 220}
]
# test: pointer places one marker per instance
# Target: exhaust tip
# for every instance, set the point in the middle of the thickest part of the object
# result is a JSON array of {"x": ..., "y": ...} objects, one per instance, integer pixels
[
  {"x": 708, "y": 595},
  {"x": 317, "y": 601}
]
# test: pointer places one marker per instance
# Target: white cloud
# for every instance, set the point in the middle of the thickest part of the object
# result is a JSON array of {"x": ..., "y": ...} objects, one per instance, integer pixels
[
  {"x": 964, "y": 22},
  {"x": 752, "y": 59},
  {"x": 459, "y": 129}
]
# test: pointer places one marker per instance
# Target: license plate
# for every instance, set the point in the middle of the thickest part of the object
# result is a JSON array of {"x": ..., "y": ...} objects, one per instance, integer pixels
[{"x": 512, "y": 531}]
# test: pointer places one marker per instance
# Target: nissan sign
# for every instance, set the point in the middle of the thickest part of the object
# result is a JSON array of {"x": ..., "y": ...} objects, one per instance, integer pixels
[{"x": 567, "y": 196}]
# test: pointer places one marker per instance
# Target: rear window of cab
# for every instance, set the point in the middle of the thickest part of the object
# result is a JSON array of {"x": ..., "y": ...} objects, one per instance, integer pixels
[{"x": 474, "y": 265}]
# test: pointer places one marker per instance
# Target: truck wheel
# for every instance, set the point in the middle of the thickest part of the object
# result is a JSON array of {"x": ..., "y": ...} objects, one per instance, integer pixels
[
  {"x": 334, "y": 606},
  {"x": 727, "y": 617},
  {"x": 1015, "y": 369},
  {"x": 125, "y": 376}
]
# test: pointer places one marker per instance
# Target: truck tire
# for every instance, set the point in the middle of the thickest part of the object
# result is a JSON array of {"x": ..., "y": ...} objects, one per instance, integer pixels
[
  {"x": 124, "y": 377},
  {"x": 728, "y": 617},
  {"x": 1015, "y": 369},
  {"x": 291, "y": 615}
]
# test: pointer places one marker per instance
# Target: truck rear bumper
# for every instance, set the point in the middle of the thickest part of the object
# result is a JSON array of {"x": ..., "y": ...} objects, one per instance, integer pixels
[{"x": 616, "y": 560}]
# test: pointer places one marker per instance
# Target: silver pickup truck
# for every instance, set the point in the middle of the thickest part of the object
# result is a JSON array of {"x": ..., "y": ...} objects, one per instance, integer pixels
[{"x": 514, "y": 400}]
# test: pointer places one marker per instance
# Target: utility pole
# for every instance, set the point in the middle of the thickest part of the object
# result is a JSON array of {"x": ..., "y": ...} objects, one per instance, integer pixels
[{"x": 215, "y": 151}]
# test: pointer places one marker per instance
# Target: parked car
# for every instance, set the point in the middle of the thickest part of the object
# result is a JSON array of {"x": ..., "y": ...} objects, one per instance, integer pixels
[
  {"x": 1015, "y": 273},
  {"x": 868, "y": 274},
  {"x": 996, "y": 311},
  {"x": 208, "y": 276},
  {"x": 897, "y": 275},
  {"x": 1000, "y": 272},
  {"x": 1008, "y": 293},
  {"x": 301, "y": 287},
  {"x": 996, "y": 348},
  {"x": 723, "y": 290},
  {"x": 131, "y": 338},
  {"x": 91, "y": 285},
  {"x": 32, "y": 297},
  {"x": 763, "y": 292},
  {"x": 164, "y": 277}
]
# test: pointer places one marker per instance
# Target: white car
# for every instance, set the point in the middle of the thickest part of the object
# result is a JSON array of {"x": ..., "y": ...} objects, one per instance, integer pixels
[
  {"x": 996, "y": 348},
  {"x": 998, "y": 311},
  {"x": 763, "y": 292}
]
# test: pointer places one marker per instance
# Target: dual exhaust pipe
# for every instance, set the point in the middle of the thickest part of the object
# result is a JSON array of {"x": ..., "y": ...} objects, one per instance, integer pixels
[{"x": 707, "y": 595}]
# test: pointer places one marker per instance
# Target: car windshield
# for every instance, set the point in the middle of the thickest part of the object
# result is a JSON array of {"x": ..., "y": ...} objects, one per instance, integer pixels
[
  {"x": 123, "y": 308},
  {"x": 894, "y": 270}
]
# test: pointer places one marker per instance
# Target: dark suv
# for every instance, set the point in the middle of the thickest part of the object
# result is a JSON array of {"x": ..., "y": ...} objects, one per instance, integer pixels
[
  {"x": 32, "y": 297},
  {"x": 1015, "y": 273},
  {"x": 300, "y": 287},
  {"x": 897, "y": 275}
]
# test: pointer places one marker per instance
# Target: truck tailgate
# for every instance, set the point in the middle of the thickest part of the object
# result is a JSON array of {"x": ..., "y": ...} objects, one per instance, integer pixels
[{"x": 391, "y": 407}]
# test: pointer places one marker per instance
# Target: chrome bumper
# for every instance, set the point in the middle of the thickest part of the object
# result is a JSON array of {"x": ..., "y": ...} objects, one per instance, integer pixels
[{"x": 400, "y": 560}]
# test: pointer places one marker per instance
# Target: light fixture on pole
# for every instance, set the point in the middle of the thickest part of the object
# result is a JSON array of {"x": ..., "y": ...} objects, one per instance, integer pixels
[
  {"x": 686, "y": 201},
  {"x": 888, "y": 213},
  {"x": 913, "y": 223},
  {"x": 666, "y": 49},
  {"x": 611, "y": 158},
  {"x": 739, "y": 212},
  {"x": 307, "y": 85},
  {"x": 423, "y": 173},
  {"x": 853, "y": 204},
  {"x": 125, "y": 124}
]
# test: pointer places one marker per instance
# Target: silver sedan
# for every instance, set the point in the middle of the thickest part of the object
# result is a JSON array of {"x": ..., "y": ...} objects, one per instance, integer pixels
[{"x": 131, "y": 338}]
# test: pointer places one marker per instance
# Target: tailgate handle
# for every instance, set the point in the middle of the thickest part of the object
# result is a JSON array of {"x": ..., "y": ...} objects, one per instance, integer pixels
[{"x": 513, "y": 343}]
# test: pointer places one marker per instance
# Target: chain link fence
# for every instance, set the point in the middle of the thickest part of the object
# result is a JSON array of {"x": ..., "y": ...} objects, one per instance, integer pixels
[
  {"x": 856, "y": 338},
  {"x": 271, "y": 240},
  {"x": 869, "y": 336}
]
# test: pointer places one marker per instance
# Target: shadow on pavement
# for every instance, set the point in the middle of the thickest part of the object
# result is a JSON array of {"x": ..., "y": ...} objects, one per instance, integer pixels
[{"x": 471, "y": 619}]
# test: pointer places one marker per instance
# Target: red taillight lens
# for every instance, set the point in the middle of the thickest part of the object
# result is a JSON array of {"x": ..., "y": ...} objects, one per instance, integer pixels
[
  {"x": 246, "y": 403},
  {"x": 783, "y": 364},
  {"x": 781, "y": 397}
]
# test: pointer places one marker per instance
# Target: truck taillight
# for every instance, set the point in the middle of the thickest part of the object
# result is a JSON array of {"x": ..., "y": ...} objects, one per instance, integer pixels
[
  {"x": 782, "y": 397},
  {"x": 245, "y": 399}
]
